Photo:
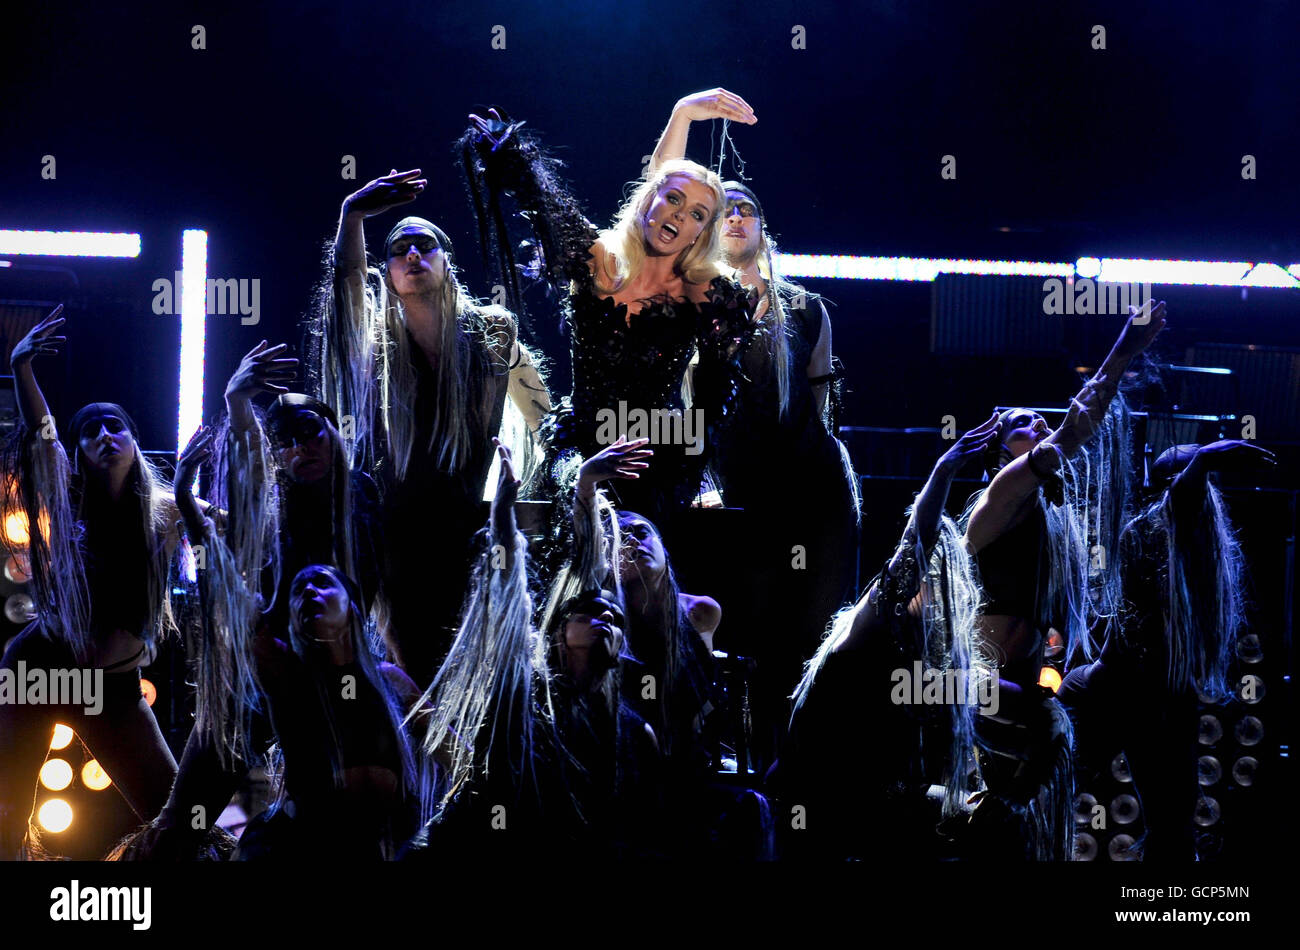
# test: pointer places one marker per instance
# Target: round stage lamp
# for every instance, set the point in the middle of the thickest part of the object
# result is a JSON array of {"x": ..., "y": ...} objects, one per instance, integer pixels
[
  {"x": 17, "y": 570},
  {"x": 1250, "y": 731},
  {"x": 1208, "y": 769},
  {"x": 1119, "y": 768},
  {"x": 1084, "y": 804},
  {"x": 1249, "y": 648},
  {"x": 19, "y": 609},
  {"x": 150, "y": 691},
  {"x": 1121, "y": 848},
  {"x": 56, "y": 775},
  {"x": 1210, "y": 730},
  {"x": 15, "y": 529},
  {"x": 62, "y": 736},
  {"x": 1124, "y": 809},
  {"x": 1243, "y": 770},
  {"x": 1207, "y": 812},
  {"x": 55, "y": 815},
  {"x": 1050, "y": 678},
  {"x": 1085, "y": 847},
  {"x": 94, "y": 777}
]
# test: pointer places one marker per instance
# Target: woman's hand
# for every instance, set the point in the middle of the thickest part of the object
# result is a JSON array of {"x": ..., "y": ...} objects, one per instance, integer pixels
[
  {"x": 262, "y": 371},
  {"x": 1232, "y": 455},
  {"x": 503, "y": 502},
  {"x": 715, "y": 104},
  {"x": 1143, "y": 325},
  {"x": 395, "y": 188},
  {"x": 971, "y": 445},
  {"x": 38, "y": 340},
  {"x": 196, "y": 453},
  {"x": 622, "y": 459},
  {"x": 495, "y": 129}
]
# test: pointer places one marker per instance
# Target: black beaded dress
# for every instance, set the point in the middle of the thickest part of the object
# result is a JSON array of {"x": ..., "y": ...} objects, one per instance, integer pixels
[{"x": 621, "y": 367}]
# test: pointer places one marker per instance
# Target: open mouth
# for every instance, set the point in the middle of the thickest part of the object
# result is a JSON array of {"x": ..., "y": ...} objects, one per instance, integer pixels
[{"x": 667, "y": 234}]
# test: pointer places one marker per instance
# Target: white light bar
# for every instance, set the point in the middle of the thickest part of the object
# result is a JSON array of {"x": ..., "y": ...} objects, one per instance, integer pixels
[
  {"x": 1269, "y": 275},
  {"x": 1115, "y": 270},
  {"x": 194, "y": 305},
  {"x": 70, "y": 243},
  {"x": 909, "y": 268},
  {"x": 1119, "y": 270}
]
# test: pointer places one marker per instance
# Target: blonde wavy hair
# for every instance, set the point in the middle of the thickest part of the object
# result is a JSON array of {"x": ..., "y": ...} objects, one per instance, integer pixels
[{"x": 625, "y": 238}]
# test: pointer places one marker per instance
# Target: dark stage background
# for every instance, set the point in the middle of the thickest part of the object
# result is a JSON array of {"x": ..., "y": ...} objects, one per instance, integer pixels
[{"x": 1062, "y": 150}]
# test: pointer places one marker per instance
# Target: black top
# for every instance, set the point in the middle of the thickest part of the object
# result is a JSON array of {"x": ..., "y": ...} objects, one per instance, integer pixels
[
  {"x": 117, "y": 562},
  {"x": 852, "y": 751},
  {"x": 640, "y": 365},
  {"x": 758, "y": 448},
  {"x": 1014, "y": 569},
  {"x": 324, "y": 722},
  {"x": 429, "y": 519}
]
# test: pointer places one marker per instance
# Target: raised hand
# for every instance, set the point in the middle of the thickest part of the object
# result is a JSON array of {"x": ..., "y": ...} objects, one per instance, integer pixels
[
  {"x": 496, "y": 128},
  {"x": 1233, "y": 455},
  {"x": 622, "y": 459},
  {"x": 38, "y": 340},
  {"x": 971, "y": 445},
  {"x": 715, "y": 104},
  {"x": 1144, "y": 324},
  {"x": 198, "y": 451},
  {"x": 262, "y": 371},
  {"x": 389, "y": 191},
  {"x": 503, "y": 502}
]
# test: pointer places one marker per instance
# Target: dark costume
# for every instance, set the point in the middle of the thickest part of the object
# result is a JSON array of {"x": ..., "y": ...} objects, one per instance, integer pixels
[
  {"x": 428, "y": 513},
  {"x": 855, "y": 752},
  {"x": 123, "y": 567},
  {"x": 329, "y": 719},
  {"x": 801, "y": 530},
  {"x": 1135, "y": 698},
  {"x": 639, "y": 365},
  {"x": 1026, "y": 811}
]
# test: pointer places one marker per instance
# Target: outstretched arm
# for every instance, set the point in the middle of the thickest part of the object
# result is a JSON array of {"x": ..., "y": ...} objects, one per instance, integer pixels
[
  {"x": 697, "y": 107},
  {"x": 924, "y": 524},
  {"x": 262, "y": 370},
  {"x": 622, "y": 459},
  {"x": 1187, "y": 493},
  {"x": 922, "y": 527},
  {"x": 196, "y": 453},
  {"x": 384, "y": 193},
  {"x": 1088, "y": 408},
  {"x": 502, "y": 518},
  {"x": 500, "y": 158},
  {"x": 1017, "y": 483},
  {"x": 40, "y": 340}
]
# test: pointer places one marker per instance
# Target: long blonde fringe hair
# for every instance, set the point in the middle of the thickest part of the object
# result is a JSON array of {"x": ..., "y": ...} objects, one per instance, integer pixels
[
  {"x": 381, "y": 375},
  {"x": 625, "y": 238}
]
